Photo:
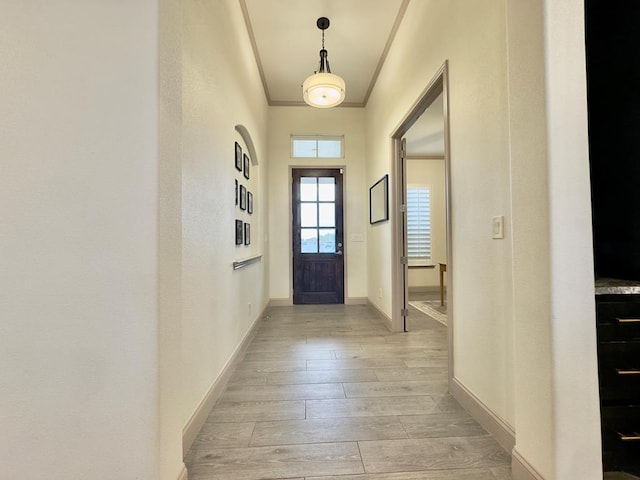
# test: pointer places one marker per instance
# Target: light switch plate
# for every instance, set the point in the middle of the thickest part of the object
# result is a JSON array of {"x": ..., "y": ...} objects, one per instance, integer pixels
[
  {"x": 357, "y": 237},
  {"x": 497, "y": 227}
]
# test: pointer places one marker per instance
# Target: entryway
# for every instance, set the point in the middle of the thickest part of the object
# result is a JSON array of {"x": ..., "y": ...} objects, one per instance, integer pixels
[
  {"x": 318, "y": 243},
  {"x": 417, "y": 171}
]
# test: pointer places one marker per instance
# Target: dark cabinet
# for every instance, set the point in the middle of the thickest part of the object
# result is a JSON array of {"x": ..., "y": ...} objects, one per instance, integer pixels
[
  {"x": 613, "y": 94},
  {"x": 618, "y": 327}
]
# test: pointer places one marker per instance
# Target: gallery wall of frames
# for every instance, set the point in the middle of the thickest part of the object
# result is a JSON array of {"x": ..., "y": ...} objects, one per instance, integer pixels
[{"x": 244, "y": 197}]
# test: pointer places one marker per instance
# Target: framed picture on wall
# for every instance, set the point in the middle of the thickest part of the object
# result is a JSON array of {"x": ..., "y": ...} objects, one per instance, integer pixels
[
  {"x": 236, "y": 191},
  {"x": 246, "y": 166},
  {"x": 239, "y": 232},
  {"x": 249, "y": 202},
  {"x": 379, "y": 201},
  {"x": 238, "y": 157},
  {"x": 243, "y": 198},
  {"x": 247, "y": 234}
]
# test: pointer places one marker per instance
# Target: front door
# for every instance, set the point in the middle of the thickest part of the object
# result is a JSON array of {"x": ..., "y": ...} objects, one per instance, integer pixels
[{"x": 318, "y": 261}]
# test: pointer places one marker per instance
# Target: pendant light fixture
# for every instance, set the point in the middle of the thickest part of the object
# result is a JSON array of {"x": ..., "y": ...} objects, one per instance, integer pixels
[{"x": 323, "y": 89}]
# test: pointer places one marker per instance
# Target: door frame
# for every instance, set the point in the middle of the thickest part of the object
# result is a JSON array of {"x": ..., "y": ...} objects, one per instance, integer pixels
[
  {"x": 399, "y": 296},
  {"x": 345, "y": 250}
]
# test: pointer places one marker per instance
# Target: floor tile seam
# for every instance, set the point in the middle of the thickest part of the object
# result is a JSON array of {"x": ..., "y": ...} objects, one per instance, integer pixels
[
  {"x": 403, "y": 428},
  {"x": 455, "y": 437},
  {"x": 289, "y": 399},
  {"x": 364, "y": 468},
  {"x": 303, "y": 383},
  {"x": 276, "y": 445},
  {"x": 301, "y": 444},
  {"x": 386, "y": 397},
  {"x": 416, "y": 472},
  {"x": 411, "y": 382},
  {"x": 244, "y": 403},
  {"x": 431, "y": 396},
  {"x": 255, "y": 423}
]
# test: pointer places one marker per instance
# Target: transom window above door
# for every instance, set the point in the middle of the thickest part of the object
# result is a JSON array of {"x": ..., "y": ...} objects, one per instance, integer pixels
[{"x": 317, "y": 146}]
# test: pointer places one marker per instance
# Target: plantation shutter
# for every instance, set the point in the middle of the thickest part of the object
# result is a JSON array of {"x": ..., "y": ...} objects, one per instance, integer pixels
[{"x": 419, "y": 225}]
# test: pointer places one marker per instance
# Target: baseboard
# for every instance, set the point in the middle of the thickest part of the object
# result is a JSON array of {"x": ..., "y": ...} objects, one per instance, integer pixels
[
  {"x": 184, "y": 475},
  {"x": 387, "y": 320},
  {"x": 280, "y": 302},
  {"x": 199, "y": 416},
  {"x": 356, "y": 301},
  {"x": 520, "y": 468},
  {"x": 501, "y": 431}
]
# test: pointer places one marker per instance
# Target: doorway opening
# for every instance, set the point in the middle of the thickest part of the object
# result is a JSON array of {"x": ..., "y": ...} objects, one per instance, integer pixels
[
  {"x": 317, "y": 231},
  {"x": 422, "y": 169}
]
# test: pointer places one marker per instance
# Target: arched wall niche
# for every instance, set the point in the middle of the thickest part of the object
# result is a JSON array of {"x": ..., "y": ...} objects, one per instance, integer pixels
[{"x": 244, "y": 133}]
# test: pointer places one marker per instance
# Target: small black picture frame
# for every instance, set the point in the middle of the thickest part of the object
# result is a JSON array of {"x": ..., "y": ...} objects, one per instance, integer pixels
[
  {"x": 238, "y": 157},
  {"x": 243, "y": 198},
  {"x": 249, "y": 202},
  {"x": 239, "y": 232},
  {"x": 246, "y": 166},
  {"x": 236, "y": 191},
  {"x": 379, "y": 201},
  {"x": 247, "y": 234}
]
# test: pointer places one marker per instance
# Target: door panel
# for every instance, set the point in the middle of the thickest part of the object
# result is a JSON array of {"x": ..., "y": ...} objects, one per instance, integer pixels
[{"x": 318, "y": 262}]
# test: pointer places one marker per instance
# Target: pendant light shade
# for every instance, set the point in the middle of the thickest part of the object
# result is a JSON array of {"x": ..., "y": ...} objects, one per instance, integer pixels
[{"x": 323, "y": 89}]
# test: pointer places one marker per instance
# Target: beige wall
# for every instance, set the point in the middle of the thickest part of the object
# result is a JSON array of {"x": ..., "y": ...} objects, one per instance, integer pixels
[
  {"x": 431, "y": 172},
  {"x": 471, "y": 36},
  {"x": 283, "y": 122},
  {"x": 119, "y": 303},
  {"x": 522, "y": 307},
  {"x": 79, "y": 209},
  {"x": 170, "y": 240},
  {"x": 220, "y": 89}
]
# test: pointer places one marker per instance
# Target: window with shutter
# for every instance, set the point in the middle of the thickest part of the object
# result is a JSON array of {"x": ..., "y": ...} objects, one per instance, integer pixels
[{"x": 419, "y": 224}]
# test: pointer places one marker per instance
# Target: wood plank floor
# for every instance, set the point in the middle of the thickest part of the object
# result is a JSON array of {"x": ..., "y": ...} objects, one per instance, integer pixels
[{"x": 328, "y": 393}]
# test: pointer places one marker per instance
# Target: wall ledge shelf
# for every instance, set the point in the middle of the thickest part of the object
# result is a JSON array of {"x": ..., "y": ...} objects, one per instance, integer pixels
[{"x": 247, "y": 261}]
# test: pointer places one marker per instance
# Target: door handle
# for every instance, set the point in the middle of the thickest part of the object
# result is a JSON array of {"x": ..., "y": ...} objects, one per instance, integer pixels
[{"x": 339, "y": 252}]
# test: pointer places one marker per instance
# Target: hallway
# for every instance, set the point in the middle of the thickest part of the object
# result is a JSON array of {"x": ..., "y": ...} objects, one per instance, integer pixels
[{"x": 328, "y": 393}]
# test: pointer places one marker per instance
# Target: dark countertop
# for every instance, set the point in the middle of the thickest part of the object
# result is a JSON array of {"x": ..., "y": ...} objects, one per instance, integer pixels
[{"x": 615, "y": 286}]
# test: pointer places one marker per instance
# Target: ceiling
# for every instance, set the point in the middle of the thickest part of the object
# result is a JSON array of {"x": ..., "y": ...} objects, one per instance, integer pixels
[
  {"x": 425, "y": 138},
  {"x": 286, "y": 43}
]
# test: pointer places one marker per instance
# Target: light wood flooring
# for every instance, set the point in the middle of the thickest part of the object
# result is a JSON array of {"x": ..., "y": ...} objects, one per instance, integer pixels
[{"x": 328, "y": 393}]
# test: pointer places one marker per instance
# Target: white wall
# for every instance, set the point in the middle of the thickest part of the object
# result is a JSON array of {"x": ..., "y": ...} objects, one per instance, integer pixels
[
  {"x": 283, "y": 122},
  {"x": 573, "y": 349},
  {"x": 471, "y": 35},
  {"x": 557, "y": 414},
  {"x": 523, "y": 307},
  {"x": 431, "y": 172},
  {"x": 120, "y": 307},
  {"x": 78, "y": 239},
  {"x": 220, "y": 89},
  {"x": 534, "y": 421}
]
